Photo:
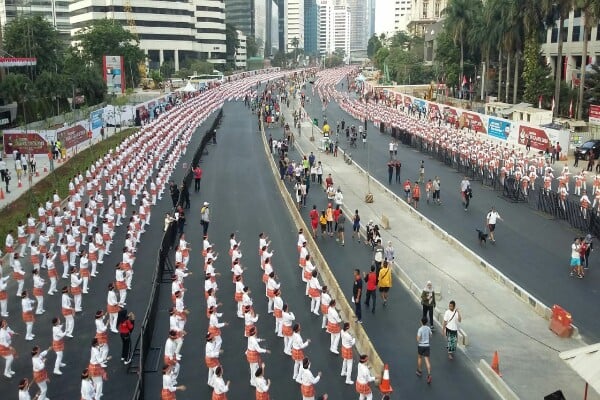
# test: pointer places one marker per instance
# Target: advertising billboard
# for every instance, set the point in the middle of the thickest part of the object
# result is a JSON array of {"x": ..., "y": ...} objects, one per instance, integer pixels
[
  {"x": 538, "y": 136},
  {"x": 595, "y": 114},
  {"x": 26, "y": 143},
  {"x": 114, "y": 74},
  {"x": 71, "y": 137},
  {"x": 499, "y": 128}
]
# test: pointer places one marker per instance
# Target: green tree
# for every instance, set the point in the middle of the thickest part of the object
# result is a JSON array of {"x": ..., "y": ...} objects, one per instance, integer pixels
[
  {"x": 232, "y": 42},
  {"x": 104, "y": 37},
  {"x": 373, "y": 46},
  {"x": 295, "y": 42},
  {"x": 167, "y": 69},
  {"x": 380, "y": 57},
  {"x": 536, "y": 74},
  {"x": 280, "y": 59},
  {"x": 34, "y": 37},
  {"x": 251, "y": 46}
]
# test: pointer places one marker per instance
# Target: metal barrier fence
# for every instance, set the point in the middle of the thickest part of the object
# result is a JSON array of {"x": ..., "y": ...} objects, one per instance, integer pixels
[
  {"x": 547, "y": 201},
  {"x": 145, "y": 357}
]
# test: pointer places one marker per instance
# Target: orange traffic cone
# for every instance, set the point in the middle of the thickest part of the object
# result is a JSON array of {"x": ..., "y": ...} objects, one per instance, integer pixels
[
  {"x": 1, "y": 194},
  {"x": 384, "y": 386},
  {"x": 20, "y": 184},
  {"x": 496, "y": 363}
]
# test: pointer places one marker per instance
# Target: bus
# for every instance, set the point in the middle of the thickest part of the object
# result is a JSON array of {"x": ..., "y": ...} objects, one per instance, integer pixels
[{"x": 205, "y": 78}]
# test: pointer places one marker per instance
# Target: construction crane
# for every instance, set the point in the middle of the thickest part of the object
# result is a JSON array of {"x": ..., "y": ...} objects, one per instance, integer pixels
[{"x": 142, "y": 68}]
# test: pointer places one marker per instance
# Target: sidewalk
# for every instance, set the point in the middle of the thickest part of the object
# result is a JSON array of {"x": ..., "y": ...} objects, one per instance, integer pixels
[
  {"x": 42, "y": 167},
  {"x": 493, "y": 317}
]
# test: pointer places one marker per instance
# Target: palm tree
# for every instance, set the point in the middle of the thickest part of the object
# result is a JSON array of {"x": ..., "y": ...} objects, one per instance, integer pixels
[
  {"x": 295, "y": 42},
  {"x": 558, "y": 10},
  {"x": 590, "y": 13},
  {"x": 460, "y": 15}
]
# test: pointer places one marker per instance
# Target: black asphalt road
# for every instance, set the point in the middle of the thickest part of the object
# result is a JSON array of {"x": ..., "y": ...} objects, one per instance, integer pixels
[
  {"x": 240, "y": 187},
  {"x": 393, "y": 329},
  {"x": 532, "y": 249}
]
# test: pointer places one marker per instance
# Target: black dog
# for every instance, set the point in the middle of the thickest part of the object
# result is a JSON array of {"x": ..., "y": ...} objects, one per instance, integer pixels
[{"x": 482, "y": 236}]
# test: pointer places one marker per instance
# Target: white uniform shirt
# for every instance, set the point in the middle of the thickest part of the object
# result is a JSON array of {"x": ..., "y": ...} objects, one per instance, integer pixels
[
  {"x": 219, "y": 385},
  {"x": 38, "y": 361},
  {"x": 88, "y": 392},
  {"x": 347, "y": 339},
  {"x": 363, "y": 374}
]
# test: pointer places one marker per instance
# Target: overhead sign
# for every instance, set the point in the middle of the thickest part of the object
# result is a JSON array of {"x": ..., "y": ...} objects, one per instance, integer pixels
[
  {"x": 114, "y": 74},
  {"x": 9, "y": 62},
  {"x": 595, "y": 114}
]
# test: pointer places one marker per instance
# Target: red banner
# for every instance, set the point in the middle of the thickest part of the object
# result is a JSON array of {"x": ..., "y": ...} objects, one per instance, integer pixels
[
  {"x": 433, "y": 108},
  {"x": 539, "y": 139},
  {"x": 595, "y": 114},
  {"x": 407, "y": 101},
  {"x": 473, "y": 121},
  {"x": 451, "y": 114},
  {"x": 26, "y": 143},
  {"x": 72, "y": 136}
]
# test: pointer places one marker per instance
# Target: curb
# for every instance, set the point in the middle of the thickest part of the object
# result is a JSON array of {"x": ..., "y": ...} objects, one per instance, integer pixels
[
  {"x": 363, "y": 343},
  {"x": 495, "y": 381}
]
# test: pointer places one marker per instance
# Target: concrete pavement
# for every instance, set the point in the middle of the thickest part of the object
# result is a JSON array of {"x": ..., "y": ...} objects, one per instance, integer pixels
[{"x": 493, "y": 318}]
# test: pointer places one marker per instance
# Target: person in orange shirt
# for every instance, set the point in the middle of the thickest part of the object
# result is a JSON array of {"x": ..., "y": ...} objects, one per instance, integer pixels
[
  {"x": 416, "y": 195},
  {"x": 428, "y": 187}
]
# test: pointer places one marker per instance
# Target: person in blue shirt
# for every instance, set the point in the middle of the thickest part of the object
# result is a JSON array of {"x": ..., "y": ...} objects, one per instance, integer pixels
[{"x": 423, "y": 349}]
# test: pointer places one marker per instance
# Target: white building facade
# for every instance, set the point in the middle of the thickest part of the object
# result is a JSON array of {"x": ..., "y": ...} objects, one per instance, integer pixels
[
  {"x": 241, "y": 55},
  {"x": 54, "y": 11},
  {"x": 168, "y": 31},
  {"x": 334, "y": 27},
  {"x": 294, "y": 24},
  {"x": 425, "y": 13}
]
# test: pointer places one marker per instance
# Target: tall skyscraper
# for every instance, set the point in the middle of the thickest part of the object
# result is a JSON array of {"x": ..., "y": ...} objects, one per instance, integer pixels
[
  {"x": 168, "y": 31},
  {"x": 291, "y": 24},
  {"x": 334, "y": 27},
  {"x": 272, "y": 45},
  {"x": 250, "y": 17},
  {"x": 54, "y": 11},
  {"x": 359, "y": 27},
  {"x": 311, "y": 27}
]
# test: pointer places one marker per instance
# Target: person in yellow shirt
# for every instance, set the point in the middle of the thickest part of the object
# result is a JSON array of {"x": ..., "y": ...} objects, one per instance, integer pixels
[{"x": 385, "y": 281}]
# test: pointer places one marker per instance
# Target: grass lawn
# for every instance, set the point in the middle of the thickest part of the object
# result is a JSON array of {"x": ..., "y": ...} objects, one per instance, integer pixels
[{"x": 57, "y": 180}]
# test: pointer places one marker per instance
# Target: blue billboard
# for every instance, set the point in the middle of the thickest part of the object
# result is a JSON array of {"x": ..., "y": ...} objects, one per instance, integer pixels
[
  {"x": 96, "y": 119},
  {"x": 499, "y": 128}
]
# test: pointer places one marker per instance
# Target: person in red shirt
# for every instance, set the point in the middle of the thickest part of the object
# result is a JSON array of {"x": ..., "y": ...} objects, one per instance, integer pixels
[
  {"x": 125, "y": 329},
  {"x": 371, "y": 280},
  {"x": 328, "y": 181},
  {"x": 197, "y": 178},
  {"x": 416, "y": 195},
  {"x": 407, "y": 186},
  {"x": 336, "y": 215},
  {"x": 314, "y": 220}
]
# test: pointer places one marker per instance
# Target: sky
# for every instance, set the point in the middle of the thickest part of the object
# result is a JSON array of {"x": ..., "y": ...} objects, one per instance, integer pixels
[{"x": 384, "y": 16}]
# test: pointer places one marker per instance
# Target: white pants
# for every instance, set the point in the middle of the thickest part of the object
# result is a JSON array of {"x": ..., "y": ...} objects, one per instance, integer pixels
[
  {"x": 77, "y": 299},
  {"x": 98, "y": 383},
  {"x": 20, "y": 284},
  {"x": 270, "y": 305},
  {"x": 287, "y": 344},
  {"x": 69, "y": 324},
  {"x": 9, "y": 360},
  {"x": 58, "y": 362},
  {"x": 40, "y": 304},
  {"x": 315, "y": 303},
  {"x": 94, "y": 267},
  {"x": 73, "y": 258},
  {"x": 84, "y": 284},
  {"x": 65, "y": 269},
  {"x": 29, "y": 329},
  {"x": 4, "y": 308},
  {"x": 324, "y": 323},
  {"x": 112, "y": 318},
  {"x": 43, "y": 390},
  {"x": 347, "y": 369},
  {"x": 52, "y": 287},
  {"x": 278, "y": 325},
  {"x": 211, "y": 374},
  {"x": 253, "y": 368},
  {"x": 122, "y": 296},
  {"x": 297, "y": 365},
  {"x": 366, "y": 396},
  {"x": 335, "y": 341}
]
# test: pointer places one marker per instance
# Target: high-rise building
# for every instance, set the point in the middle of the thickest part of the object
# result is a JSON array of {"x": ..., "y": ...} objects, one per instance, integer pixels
[
  {"x": 250, "y": 17},
  {"x": 425, "y": 13},
  {"x": 334, "y": 27},
  {"x": 359, "y": 27},
  {"x": 241, "y": 55},
  {"x": 311, "y": 27},
  {"x": 272, "y": 44},
  {"x": 392, "y": 15},
  {"x": 55, "y": 11},
  {"x": 168, "y": 31},
  {"x": 291, "y": 24}
]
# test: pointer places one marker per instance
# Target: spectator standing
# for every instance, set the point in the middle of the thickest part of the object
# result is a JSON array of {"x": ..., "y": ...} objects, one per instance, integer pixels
[
  {"x": 428, "y": 303},
  {"x": 174, "y": 191},
  {"x": 389, "y": 252},
  {"x": 423, "y": 348},
  {"x": 422, "y": 172},
  {"x": 125, "y": 328},
  {"x": 452, "y": 319},
  {"x": 390, "y": 166},
  {"x": 371, "y": 281},
  {"x": 341, "y": 223},
  {"x": 590, "y": 247},
  {"x": 356, "y": 295},
  {"x": 185, "y": 196},
  {"x": 397, "y": 167},
  {"x": 436, "y": 185},
  {"x": 378, "y": 255},
  {"x": 356, "y": 225}
]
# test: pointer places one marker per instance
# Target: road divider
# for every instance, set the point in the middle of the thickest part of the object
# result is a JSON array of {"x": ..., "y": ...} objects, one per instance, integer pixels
[{"x": 363, "y": 343}]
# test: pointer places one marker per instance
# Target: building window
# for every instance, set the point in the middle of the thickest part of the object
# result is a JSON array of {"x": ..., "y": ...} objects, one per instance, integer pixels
[
  {"x": 576, "y": 35},
  {"x": 425, "y": 6},
  {"x": 577, "y": 13},
  {"x": 554, "y": 36},
  {"x": 436, "y": 10}
]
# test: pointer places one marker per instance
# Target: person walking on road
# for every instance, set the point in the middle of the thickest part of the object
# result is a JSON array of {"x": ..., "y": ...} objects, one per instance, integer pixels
[
  {"x": 588, "y": 251},
  {"x": 436, "y": 184},
  {"x": 356, "y": 226},
  {"x": 197, "y": 178},
  {"x": 390, "y": 166},
  {"x": 423, "y": 348},
  {"x": 371, "y": 281},
  {"x": 341, "y": 222},
  {"x": 422, "y": 172},
  {"x": 416, "y": 195},
  {"x": 389, "y": 252},
  {"x": 205, "y": 217},
  {"x": 125, "y": 328},
  {"x": 356, "y": 294},
  {"x": 378, "y": 255},
  {"x": 465, "y": 189},
  {"x": 490, "y": 220},
  {"x": 452, "y": 319},
  {"x": 397, "y": 167},
  {"x": 576, "y": 259},
  {"x": 428, "y": 303},
  {"x": 385, "y": 281}
]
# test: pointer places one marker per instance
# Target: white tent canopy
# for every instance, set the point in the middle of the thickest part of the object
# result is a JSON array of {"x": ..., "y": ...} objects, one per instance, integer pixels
[
  {"x": 586, "y": 362},
  {"x": 188, "y": 88}
]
